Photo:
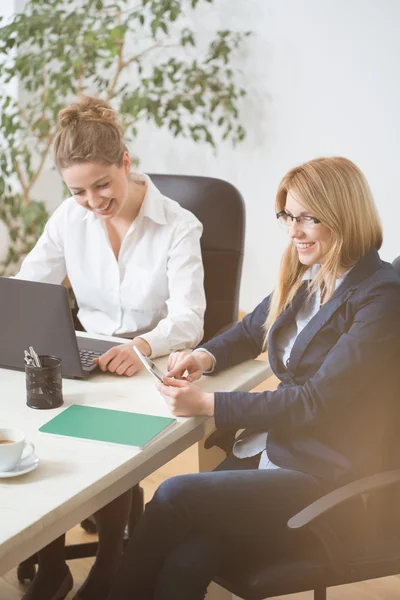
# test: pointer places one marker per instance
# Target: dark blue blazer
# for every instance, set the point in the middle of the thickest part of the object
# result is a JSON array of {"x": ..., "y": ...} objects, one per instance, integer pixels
[{"x": 334, "y": 412}]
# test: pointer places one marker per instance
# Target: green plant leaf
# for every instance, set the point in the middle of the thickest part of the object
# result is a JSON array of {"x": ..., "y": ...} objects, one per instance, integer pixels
[{"x": 138, "y": 54}]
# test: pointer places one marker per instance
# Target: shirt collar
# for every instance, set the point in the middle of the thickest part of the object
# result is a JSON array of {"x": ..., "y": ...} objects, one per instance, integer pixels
[
  {"x": 313, "y": 270},
  {"x": 153, "y": 205}
]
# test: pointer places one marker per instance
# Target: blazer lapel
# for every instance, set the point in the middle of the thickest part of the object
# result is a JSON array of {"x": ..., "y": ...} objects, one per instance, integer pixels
[
  {"x": 283, "y": 319},
  {"x": 317, "y": 322},
  {"x": 363, "y": 269}
]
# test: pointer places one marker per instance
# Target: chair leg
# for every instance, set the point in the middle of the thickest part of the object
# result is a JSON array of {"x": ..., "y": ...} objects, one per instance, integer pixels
[
  {"x": 137, "y": 507},
  {"x": 320, "y": 593}
]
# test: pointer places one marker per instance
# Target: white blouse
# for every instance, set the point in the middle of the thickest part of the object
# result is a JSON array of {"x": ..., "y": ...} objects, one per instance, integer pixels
[{"x": 153, "y": 290}]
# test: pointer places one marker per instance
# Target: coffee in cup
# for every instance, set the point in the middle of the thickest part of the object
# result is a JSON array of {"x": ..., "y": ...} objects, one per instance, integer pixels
[{"x": 14, "y": 450}]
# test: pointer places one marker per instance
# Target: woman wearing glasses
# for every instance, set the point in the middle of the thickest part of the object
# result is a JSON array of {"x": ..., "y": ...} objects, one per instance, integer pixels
[{"x": 332, "y": 331}]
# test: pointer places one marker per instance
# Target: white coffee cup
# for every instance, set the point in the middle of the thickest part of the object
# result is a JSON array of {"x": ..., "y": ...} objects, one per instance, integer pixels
[{"x": 14, "y": 450}]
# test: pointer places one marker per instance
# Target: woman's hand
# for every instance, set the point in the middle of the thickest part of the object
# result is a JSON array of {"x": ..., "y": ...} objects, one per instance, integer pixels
[
  {"x": 122, "y": 359},
  {"x": 194, "y": 364},
  {"x": 185, "y": 399}
]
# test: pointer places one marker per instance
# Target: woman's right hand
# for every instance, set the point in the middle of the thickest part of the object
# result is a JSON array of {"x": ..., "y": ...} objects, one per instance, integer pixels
[{"x": 193, "y": 363}]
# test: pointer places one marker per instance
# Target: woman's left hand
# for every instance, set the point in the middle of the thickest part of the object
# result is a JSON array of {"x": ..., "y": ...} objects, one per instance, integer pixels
[
  {"x": 122, "y": 359},
  {"x": 185, "y": 399}
]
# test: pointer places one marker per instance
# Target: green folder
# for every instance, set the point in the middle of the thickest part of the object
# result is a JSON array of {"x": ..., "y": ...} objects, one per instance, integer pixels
[{"x": 104, "y": 425}]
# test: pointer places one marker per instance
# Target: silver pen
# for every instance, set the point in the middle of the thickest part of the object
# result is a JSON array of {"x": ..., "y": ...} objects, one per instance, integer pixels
[{"x": 35, "y": 357}]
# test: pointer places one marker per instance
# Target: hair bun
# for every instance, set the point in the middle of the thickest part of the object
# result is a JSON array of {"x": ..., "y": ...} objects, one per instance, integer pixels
[
  {"x": 88, "y": 109},
  {"x": 88, "y": 131}
]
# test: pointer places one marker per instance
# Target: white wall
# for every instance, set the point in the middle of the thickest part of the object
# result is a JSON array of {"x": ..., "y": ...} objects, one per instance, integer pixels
[{"x": 322, "y": 79}]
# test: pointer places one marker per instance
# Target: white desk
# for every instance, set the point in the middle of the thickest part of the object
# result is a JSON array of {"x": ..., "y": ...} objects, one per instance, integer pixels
[{"x": 76, "y": 477}]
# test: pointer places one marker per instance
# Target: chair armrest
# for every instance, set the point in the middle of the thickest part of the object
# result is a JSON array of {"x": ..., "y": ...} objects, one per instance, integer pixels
[
  {"x": 329, "y": 501},
  {"x": 221, "y": 439},
  {"x": 332, "y": 546}
]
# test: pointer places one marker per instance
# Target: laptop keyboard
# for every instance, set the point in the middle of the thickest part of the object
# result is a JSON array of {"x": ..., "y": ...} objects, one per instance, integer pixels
[{"x": 87, "y": 357}]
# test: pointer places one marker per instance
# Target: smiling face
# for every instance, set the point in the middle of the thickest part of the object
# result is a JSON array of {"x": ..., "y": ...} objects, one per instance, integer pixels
[
  {"x": 100, "y": 187},
  {"x": 312, "y": 243}
]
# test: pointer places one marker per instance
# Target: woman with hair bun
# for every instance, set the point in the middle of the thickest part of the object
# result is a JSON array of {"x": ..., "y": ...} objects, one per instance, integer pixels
[
  {"x": 133, "y": 259},
  {"x": 132, "y": 255}
]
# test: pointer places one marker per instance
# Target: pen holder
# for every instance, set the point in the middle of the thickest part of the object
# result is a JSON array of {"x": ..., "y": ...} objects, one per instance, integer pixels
[{"x": 44, "y": 384}]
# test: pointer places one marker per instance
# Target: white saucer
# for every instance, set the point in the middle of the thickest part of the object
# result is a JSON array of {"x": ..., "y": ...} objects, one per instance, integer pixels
[{"x": 22, "y": 467}]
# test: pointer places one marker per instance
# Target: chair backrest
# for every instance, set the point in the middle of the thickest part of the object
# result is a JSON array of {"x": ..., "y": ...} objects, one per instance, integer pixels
[
  {"x": 219, "y": 207},
  {"x": 396, "y": 264}
]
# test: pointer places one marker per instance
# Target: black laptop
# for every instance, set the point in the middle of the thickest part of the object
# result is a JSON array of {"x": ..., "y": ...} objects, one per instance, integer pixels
[{"x": 38, "y": 315}]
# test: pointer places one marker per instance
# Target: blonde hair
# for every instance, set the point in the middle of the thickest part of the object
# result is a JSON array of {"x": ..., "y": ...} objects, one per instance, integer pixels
[
  {"x": 88, "y": 131},
  {"x": 334, "y": 191}
]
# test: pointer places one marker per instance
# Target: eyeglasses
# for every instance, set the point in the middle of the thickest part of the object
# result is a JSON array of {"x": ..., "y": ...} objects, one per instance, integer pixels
[{"x": 305, "y": 222}]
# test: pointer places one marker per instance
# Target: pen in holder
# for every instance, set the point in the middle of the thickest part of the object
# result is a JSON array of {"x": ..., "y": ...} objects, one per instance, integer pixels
[{"x": 44, "y": 382}]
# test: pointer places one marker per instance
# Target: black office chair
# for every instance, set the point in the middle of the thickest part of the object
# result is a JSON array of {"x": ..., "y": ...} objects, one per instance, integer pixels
[
  {"x": 374, "y": 552},
  {"x": 219, "y": 207}
]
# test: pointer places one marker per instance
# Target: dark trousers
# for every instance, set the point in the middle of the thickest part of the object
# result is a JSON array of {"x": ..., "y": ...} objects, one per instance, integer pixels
[{"x": 195, "y": 524}]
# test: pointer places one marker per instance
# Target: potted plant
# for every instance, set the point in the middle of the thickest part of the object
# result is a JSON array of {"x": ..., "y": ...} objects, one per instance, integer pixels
[{"x": 140, "y": 56}]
